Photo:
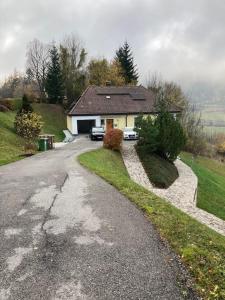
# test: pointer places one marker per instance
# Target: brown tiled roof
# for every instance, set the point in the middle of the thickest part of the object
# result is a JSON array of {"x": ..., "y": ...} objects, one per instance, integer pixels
[{"x": 112, "y": 100}]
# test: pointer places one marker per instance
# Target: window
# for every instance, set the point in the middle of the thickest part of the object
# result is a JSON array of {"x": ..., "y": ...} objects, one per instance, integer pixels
[
  {"x": 97, "y": 129},
  {"x": 102, "y": 122}
]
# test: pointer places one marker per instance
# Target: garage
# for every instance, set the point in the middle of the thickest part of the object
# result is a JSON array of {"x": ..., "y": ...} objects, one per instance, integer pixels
[{"x": 84, "y": 126}]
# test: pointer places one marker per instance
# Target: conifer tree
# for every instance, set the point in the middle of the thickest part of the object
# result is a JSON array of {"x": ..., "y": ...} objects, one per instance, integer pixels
[
  {"x": 126, "y": 60},
  {"x": 26, "y": 106},
  {"x": 54, "y": 81}
]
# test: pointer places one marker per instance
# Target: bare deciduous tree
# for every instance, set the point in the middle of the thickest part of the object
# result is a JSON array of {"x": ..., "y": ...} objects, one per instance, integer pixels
[
  {"x": 171, "y": 91},
  {"x": 75, "y": 50},
  {"x": 154, "y": 82},
  {"x": 73, "y": 56},
  {"x": 37, "y": 64},
  {"x": 192, "y": 124}
]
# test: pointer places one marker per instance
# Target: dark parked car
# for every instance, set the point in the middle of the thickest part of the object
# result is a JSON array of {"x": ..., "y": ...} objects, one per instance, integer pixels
[{"x": 97, "y": 133}]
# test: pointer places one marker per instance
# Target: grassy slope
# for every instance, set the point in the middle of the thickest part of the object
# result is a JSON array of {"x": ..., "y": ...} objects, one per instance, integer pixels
[
  {"x": 54, "y": 119},
  {"x": 211, "y": 186},
  {"x": 161, "y": 172},
  {"x": 11, "y": 146},
  {"x": 201, "y": 249}
]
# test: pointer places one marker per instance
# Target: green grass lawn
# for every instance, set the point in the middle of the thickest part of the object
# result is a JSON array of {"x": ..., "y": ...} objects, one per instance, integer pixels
[
  {"x": 200, "y": 248},
  {"x": 161, "y": 172},
  {"x": 11, "y": 145},
  {"x": 54, "y": 119},
  {"x": 211, "y": 183}
]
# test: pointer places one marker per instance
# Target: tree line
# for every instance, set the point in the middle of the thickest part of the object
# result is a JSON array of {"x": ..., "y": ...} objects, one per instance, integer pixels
[{"x": 60, "y": 73}]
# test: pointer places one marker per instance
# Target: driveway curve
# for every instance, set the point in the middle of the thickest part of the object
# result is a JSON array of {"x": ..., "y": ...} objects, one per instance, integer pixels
[{"x": 67, "y": 234}]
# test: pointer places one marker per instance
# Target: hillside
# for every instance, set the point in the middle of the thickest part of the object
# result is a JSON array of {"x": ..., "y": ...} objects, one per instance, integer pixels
[
  {"x": 54, "y": 119},
  {"x": 11, "y": 145},
  {"x": 211, "y": 183}
]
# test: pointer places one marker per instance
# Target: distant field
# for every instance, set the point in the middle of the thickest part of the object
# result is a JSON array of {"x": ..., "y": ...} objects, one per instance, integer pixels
[
  {"x": 214, "y": 116},
  {"x": 211, "y": 130},
  {"x": 214, "y": 107}
]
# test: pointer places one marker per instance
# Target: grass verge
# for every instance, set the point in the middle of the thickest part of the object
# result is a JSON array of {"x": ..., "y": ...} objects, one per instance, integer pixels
[
  {"x": 160, "y": 171},
  {"x": 211, "y": 183},
  {"x": 201, "y": 249}
]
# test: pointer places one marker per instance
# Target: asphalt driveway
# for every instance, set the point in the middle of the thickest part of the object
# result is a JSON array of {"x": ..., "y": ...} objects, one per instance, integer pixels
[{"x": 67, "y": 234}]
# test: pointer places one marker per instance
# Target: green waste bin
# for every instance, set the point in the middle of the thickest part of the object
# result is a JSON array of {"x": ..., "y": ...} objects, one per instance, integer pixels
[
  {"x": 43, "y": 144},
  {"x": 50, "y": 141}
]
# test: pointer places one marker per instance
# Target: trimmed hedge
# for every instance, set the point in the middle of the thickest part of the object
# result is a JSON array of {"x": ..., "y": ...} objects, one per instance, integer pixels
[{"x": 13, "y": 104}]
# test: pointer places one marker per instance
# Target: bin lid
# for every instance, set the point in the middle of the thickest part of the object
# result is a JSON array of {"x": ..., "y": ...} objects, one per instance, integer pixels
[{"x": 46, "y": 135}]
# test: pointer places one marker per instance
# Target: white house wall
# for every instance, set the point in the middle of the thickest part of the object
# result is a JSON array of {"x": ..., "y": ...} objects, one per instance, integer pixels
[{"x": 77, "y": 118}]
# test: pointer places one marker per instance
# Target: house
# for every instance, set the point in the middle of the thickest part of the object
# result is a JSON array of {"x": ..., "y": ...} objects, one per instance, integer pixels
[{"x": 110, "y": 107}]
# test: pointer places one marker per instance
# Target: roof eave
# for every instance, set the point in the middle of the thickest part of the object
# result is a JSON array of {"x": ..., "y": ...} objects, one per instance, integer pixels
[{"x": 120, "y": 113}]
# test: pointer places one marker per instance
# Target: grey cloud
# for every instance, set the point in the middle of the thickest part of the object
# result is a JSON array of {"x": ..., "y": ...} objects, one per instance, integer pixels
[{"x": 183, "y": 40}]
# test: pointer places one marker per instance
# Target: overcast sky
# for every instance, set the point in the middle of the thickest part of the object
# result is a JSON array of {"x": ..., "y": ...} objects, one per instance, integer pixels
[{"x": 183, "y": 40}]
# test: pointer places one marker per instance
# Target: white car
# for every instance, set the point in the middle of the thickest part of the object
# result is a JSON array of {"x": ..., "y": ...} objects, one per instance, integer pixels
[
  {"x": 129, "y": 134},
  {"x": 97, "y": 133}
]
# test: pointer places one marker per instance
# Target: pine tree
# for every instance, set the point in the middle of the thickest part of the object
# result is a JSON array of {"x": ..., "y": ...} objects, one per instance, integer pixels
[
  {"x": 26, "y": 106},
  {"x": 126, "y": 60},
  {"x": 54, "y": 81}
]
